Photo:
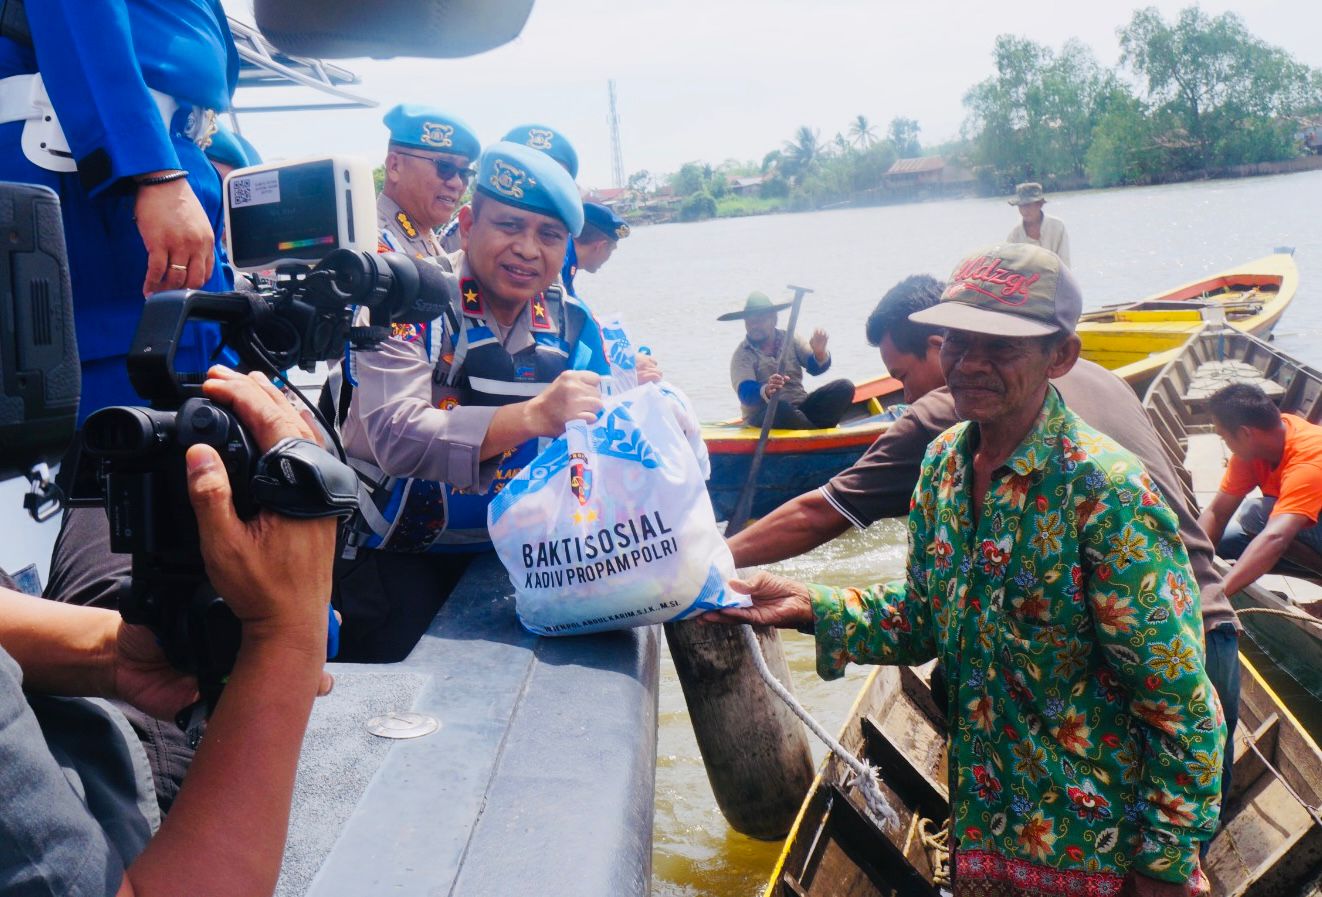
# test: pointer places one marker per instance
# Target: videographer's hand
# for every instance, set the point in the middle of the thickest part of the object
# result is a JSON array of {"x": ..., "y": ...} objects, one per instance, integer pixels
[
  {"x": 273, "y": 571},
  {"x": 177, "y": 233}
]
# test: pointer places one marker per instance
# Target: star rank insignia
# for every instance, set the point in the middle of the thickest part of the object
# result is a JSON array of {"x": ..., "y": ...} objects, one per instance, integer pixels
[
  {"x": 538, "y": 316},
  {"x": 470, "y": 298},
  {"x": 406, "y": 225}
]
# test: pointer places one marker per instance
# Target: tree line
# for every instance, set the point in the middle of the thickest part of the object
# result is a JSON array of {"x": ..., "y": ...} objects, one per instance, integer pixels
[{"x": 1198, "y": 94}]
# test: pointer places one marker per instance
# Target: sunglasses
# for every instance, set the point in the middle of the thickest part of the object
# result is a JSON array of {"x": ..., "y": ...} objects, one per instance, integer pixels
[{"x": 445, "y": 170}]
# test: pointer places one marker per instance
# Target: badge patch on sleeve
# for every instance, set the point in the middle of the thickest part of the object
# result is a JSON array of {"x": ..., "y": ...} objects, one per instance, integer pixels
[
  {"x": 471, "y": 298},
  {"x": 538, "y": 316}
]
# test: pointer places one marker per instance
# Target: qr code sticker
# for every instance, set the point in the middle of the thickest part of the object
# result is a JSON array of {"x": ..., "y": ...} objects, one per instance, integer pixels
[{"x": 254, "y": 189}]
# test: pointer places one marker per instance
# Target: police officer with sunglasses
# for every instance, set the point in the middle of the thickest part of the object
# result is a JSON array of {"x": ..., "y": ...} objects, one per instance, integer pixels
[{"x": 428, "y": 167}]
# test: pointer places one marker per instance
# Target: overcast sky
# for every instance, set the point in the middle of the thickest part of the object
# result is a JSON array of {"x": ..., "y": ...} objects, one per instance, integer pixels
[{"x": 726, "y": 78}]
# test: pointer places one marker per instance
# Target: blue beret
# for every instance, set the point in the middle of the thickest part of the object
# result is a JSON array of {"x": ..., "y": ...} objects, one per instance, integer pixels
[
  {"x": 549, "y": 141},
  {"x": 602, "y": 218},
  {"x": 229, "y": 148},
  {"x": 429, "y": 128},
  {"x": 526, "y": 179}
]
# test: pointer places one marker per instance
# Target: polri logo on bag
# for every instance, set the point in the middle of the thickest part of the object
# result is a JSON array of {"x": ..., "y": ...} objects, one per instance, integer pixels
[{"x": 580, "y": 477}]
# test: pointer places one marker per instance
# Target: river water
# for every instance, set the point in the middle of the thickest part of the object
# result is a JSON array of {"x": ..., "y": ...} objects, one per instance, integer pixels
[{"x": 671, "y": 281}]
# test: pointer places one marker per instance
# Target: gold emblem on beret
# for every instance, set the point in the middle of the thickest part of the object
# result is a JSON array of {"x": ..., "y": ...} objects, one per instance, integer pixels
[
  {"x": 539, "y": 138},
  {"x": 437, "y": 134},
  {"x": 508, "y": 180},
  {"x": 622, "y": 231}
]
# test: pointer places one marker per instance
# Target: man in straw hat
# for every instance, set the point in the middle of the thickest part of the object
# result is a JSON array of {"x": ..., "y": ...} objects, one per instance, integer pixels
[
  {"x": 756, "y": 374},
  {"x": 1036, "y": 226},
  {"x": 1047, "y": 574}
]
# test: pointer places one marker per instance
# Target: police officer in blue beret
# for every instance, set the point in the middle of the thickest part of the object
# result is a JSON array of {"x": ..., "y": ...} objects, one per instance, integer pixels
[
  {"x": 540, "y": 137},
  {"x": 602, "y": 232},
  {"x": 428, "y": 167},
  {"x": 110, "y": 104},
  {"x": 548, "y": 140},
  {"x": 444, "y": 414}
]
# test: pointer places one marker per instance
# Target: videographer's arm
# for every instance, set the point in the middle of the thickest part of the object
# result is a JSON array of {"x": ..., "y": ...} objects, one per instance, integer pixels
[{"x": 225, "y": 834}]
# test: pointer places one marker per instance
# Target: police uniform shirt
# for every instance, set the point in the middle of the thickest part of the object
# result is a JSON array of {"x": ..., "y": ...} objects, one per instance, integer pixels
[
  {"x": 404, "y": 418},
  {"x": 405, "y": 236}
]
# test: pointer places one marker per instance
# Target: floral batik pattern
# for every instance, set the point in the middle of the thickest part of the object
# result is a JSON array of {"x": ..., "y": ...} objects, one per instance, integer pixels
[{"x": 1086, "y": 738}]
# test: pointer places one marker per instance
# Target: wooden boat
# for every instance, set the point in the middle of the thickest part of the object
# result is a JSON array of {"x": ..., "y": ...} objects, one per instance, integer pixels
[
  {"x": 1176, "y": 403},
  {"x": 795, "y": 461},
  {"x": 1271, "y": 843},
  {"x": 1136, "y": 339}
]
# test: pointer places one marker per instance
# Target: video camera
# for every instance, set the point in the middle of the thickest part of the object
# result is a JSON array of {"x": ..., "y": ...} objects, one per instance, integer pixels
[{"x": 312, "y": 222}]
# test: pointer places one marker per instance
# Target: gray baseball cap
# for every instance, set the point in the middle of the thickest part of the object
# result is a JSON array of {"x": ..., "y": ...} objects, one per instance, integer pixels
[{"x": 1011, "y": 289}]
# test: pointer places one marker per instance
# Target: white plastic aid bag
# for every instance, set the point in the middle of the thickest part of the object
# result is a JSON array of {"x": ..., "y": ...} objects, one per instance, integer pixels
[{"x": 611, "y": 526}]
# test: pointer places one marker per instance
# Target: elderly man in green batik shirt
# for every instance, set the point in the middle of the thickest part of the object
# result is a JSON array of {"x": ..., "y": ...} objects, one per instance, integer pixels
[{"x": 1047, "y": 574}]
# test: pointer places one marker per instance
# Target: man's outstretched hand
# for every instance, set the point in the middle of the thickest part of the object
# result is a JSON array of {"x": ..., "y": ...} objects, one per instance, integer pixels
[{"x": 777, "y": 601}]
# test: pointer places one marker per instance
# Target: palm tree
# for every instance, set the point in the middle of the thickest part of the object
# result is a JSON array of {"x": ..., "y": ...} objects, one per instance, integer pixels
[
  {"x": 802, "y": 152},
  {"x": 862, "y": 132}
]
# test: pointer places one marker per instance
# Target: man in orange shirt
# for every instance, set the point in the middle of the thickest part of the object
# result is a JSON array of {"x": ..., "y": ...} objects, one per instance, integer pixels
[{"x": 1282, "y": 455}]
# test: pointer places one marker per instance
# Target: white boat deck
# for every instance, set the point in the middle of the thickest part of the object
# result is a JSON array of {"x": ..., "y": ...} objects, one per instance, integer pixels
[{"x": 1206, "y": 459}]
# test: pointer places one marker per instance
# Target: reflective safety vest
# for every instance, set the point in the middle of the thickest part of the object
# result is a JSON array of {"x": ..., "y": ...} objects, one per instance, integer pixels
[{"x": 416, "y": 515}]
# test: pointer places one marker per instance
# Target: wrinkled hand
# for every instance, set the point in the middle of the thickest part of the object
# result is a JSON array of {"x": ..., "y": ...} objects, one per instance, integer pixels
[
  {"x": 574, "y": 395},
  {"x": 273, "y": 571},
  {"x": 648, "y": 370},
  {"x": 175, "y": 231},
  {"x": 777, "y": 601},
  {"x": 774, "y": 384},
  {"x": 818, "y": 344}
]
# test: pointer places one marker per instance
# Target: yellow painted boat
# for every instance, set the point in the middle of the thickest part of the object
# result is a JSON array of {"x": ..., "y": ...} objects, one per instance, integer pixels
[
  {"x": 1138, "y": 339},
  {"x": 1135, "y": 339}
]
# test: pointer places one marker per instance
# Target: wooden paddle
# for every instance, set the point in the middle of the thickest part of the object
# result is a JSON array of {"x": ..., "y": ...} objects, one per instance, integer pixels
[{"x": 745, "y": 505}]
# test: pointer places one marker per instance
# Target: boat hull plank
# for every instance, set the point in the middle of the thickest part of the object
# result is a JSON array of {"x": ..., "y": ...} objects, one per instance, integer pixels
[
  {"x": 1271, "y": 845},
  {"x": 543, "y": 768}
]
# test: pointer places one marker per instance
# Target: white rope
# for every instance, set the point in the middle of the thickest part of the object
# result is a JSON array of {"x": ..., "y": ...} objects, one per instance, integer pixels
[
  {"x": 865, "y": 774},
  {"x": 1289, "y": 615}
]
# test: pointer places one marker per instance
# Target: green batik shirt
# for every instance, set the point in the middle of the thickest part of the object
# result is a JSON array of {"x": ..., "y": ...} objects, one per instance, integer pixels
[{"x": 1086, "y": 737}]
